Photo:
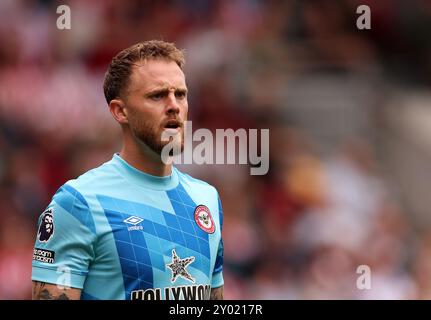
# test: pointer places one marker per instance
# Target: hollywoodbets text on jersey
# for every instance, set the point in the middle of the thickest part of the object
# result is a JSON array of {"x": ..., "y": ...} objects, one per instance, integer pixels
[{"x": 194, "y": 292}]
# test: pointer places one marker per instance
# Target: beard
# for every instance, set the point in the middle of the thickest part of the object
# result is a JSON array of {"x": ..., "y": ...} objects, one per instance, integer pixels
[{"x": 151, "y": 136}]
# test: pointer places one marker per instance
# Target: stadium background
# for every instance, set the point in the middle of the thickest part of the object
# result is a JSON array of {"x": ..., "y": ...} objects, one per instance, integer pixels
[{"x": 349, "y": 117}]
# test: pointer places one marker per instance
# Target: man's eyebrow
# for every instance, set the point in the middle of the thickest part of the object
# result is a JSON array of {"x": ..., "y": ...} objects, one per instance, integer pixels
[
  {"x": 164, "y": 90},
  {"x": 157, "y": 91},
  {"x": 181, "y": 90}
]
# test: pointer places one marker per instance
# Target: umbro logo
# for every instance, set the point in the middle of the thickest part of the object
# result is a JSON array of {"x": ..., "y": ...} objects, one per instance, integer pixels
[{"x": 134, "y": 220}]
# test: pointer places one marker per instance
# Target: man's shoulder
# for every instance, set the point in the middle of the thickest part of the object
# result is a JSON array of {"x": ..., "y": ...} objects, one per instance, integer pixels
[{"x": 91, "y": 181}]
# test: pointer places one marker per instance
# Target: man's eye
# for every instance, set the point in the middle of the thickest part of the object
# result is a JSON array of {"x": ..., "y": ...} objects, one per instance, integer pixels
[
  {"x": 156, "y": 97},
  {"x": 180, "y": 95}
]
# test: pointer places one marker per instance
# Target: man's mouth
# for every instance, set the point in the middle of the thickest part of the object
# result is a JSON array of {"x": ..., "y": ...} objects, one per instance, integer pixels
[{"x": 173, "y": 125}]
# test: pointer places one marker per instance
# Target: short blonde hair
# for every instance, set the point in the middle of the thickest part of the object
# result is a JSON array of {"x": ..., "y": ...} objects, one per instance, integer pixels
[{"x": 120, "y": 68}]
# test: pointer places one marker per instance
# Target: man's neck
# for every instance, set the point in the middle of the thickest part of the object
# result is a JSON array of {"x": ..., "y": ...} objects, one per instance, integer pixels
[{"x": 144, "y": 159}]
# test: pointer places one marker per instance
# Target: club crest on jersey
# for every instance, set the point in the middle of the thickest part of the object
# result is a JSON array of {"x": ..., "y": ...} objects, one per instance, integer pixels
[
  {"x": 46, "y": 227},
  {"x": 204, "y": 219}
]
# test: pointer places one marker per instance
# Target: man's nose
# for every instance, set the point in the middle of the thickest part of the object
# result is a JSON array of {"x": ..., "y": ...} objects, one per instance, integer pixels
[{"x": 172, "y": 104}]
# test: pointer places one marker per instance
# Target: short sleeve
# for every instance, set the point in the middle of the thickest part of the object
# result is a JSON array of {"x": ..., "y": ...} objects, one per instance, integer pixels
[
  {"x": 65, "y": 236},
  {"x": 217, "y": 277}
]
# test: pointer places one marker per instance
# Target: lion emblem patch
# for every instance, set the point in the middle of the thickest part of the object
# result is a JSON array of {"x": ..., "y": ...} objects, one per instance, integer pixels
[{"x": 46, "y": 228}]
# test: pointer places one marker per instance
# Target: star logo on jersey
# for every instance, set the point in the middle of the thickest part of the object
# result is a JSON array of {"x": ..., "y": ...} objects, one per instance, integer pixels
[{"x": 178, "y": 267}]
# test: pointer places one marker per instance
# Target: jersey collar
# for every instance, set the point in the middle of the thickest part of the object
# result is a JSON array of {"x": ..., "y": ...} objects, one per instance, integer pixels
[{"x": 144, "y": 179}]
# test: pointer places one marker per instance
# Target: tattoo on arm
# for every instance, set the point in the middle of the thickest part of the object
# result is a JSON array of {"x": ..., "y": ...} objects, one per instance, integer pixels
[
  {"x": 46, "y": 295},
  {"x": 37, "y": 287},
  {"x": 217, "y": 293},
  {"x": 44, "y": 291}
]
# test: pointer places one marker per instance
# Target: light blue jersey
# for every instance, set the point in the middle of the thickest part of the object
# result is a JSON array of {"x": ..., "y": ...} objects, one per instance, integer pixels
[{"x": 118, "y": 233}]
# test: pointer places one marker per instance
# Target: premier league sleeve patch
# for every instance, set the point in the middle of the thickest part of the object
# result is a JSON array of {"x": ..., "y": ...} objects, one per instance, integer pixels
[
  {"x": 204, "y": 219},
  {"x": 46, "y": 227}
]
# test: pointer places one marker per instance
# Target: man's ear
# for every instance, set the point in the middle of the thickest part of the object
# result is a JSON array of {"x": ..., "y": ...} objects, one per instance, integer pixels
[{"x": 118, "y": 111}]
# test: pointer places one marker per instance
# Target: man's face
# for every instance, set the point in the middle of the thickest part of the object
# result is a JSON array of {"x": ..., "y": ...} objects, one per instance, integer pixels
[{"x": 156, "y": 99}]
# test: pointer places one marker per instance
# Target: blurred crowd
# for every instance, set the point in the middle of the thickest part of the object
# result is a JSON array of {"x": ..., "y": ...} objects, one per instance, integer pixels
[{"x": 300, "y": 68}]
